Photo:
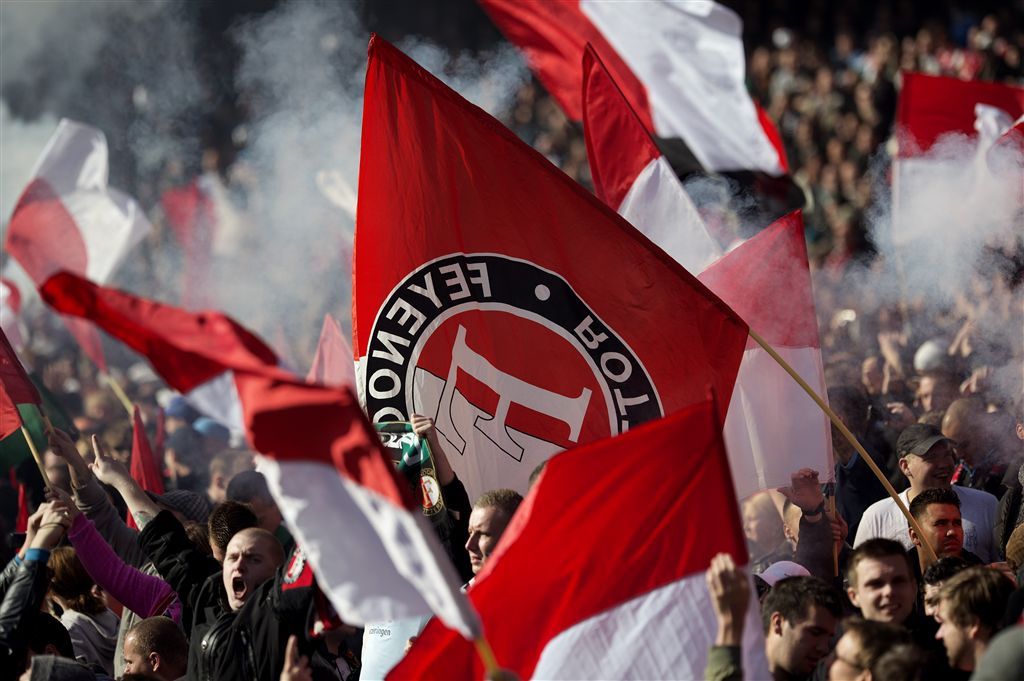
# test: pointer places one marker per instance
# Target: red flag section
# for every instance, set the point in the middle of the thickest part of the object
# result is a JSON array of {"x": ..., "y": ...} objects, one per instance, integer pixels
[
  {"x": 520, "y": 312},
  {"x": 144, "y": 469},
  {"x": 322, "y": 459},
  {"x": 606, "y": 545},
  {"x": 332, "y": 364},
  {"x": 15, "y": 389},
  {"x": 186, "y": 349},
  {"x": 932, "y": 106}
]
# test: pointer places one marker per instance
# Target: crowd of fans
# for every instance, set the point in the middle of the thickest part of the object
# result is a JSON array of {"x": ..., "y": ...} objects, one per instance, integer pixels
[{"x": 933, "y": 391}]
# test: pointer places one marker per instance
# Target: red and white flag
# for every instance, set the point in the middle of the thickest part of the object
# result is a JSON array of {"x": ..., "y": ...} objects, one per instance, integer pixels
[
  {"x": 68, "y": 218},
  {"x": 143, "y": 468},
  {"x": 942, "y": 124},
  {"x": 680, "y": 65},
  {"x": 600, "y": 574},
  {"x": 504, "y": 300},
  {"x": 773, "y": 427},
  {"x": 632, "y": 175},
  {"x": 332, "y": 364},
  {"x": 357, "y": 521}
]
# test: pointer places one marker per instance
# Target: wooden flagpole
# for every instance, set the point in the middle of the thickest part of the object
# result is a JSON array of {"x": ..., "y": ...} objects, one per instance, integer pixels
[
  {"x": 838, "y": 423},
  {"x": 486, "y": 653},
  {"x": 37, "y": 457},
  {"x": 121, "y": 395}
]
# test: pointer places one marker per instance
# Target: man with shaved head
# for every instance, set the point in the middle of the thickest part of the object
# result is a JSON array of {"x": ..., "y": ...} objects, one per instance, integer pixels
[
  {"x": 156, "y": 646},
  {"x": 232, "y": 610},
  {"x": 968, "y": 424}
]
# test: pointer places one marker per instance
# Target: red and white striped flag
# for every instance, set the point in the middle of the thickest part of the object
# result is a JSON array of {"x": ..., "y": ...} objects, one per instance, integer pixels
[
  {"x": 773, "y": 427},
  {"x": 600, "y": 574},
  {"x": 357, "y": 521},
  {"x": 68, "y": 218},
  {"x": 680, "y": 65},
  {"x": 632, "y": 176},
  {"x": 933, "y": 110}
]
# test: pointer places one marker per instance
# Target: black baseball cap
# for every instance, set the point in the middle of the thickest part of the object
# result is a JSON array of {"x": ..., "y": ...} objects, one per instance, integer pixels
[{"x": 918, "y": 438}]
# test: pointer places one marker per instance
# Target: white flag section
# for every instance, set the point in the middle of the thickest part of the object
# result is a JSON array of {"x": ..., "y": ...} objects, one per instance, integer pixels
[
  {"x": 689, "y": 56},
  {"x": 672, "y": 626},
  {"x": 386, "y": 565},
  {"x": 107, "y": 224},
  {"x": 658, "y": 201}
]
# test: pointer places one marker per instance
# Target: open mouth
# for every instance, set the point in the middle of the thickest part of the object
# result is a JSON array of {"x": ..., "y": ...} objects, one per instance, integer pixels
[{"x": 238, "y": 587}]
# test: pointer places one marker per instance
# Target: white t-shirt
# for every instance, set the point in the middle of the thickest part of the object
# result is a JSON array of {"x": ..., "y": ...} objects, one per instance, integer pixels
[{"x": 977, "y": 508}]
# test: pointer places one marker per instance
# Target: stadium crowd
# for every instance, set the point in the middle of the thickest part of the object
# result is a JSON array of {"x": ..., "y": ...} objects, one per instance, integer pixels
[{"x": 934, "y": 391}]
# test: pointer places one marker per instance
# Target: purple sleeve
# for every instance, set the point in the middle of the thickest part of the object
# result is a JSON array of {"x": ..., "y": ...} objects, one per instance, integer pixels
[{"x": 143, "y": 594}]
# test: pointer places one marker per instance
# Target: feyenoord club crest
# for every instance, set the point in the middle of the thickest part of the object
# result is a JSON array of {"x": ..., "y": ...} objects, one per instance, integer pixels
[{"x": 471, "y": 341}]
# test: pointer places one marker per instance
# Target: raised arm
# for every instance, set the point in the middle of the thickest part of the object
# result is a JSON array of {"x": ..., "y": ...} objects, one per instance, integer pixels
[
  {"x": 25, "y": 592},
  {"x": 93, "y": 501},
  {"x": 113, "y": 473},
  {"x": 143, "y": 594}
]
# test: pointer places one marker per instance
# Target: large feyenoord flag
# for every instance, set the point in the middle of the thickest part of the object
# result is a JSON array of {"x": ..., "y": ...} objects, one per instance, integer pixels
[
  {"x": 600, "y": 575},
  {"x": 499, "y": 297},
  {"x": 932, "y": 109},
  {"x": 355, "y": 518},
  {"x": 680, "y": 65},
  {"x": 68, "y": 218}
]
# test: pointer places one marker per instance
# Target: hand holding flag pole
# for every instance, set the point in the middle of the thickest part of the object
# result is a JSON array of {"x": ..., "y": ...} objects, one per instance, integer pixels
[{"x": 837, "y": 422}]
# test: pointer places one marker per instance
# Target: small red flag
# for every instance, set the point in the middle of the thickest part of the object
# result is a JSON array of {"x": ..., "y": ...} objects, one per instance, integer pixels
[{"x": 144, "y": 469}]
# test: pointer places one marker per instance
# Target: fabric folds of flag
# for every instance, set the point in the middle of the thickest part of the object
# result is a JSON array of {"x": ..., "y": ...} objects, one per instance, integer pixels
[
  {"x": 773, "y": 427},
  {"x": 68, "y": 218},
  {"x": 332, "y": 364},
  {"x": 600, "y": 574},
  {"x": 356, "y": 520},
  {"x": 144, "y": 468},
  {"x": 15, "y": 389},
  {"x": 521, "y": 313},
  {"x": 632, "y": 176},
  {"x": 680, "y": 65}
]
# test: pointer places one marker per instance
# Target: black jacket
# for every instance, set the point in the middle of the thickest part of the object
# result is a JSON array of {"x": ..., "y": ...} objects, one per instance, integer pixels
[
  {"x": 225, "y": 644},
  {"x": 22, "y": 589}
]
